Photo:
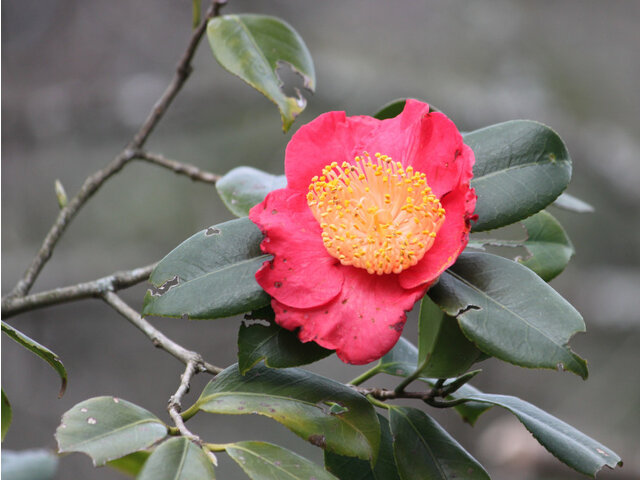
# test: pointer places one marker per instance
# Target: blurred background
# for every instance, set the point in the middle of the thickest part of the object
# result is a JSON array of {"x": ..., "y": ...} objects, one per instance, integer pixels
[{"x": 79, "y": 77}]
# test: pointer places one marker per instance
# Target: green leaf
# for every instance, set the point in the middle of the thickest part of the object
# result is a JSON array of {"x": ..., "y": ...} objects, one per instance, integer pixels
[
  {"x": 195, "y": 11},
  {"x": 277, "y": 346},
  {"x": 41, "y": 351},
  {"x": 442, "y": 345},
  {"x": 6, "y": 415},
  {"x": 423, "y": 449},
  {"x": 402, "y": 361},
  {"x": 350, "y": 468},
  {"x": 302, "y": 401},
  {"x": 244, "y": 187},
  {"x": 29, "y": 465},
  {"x": 106, "y": 428},
  {"x": 130, "y": 464},
  {"x": 573, "y": 204},
  {"x": 548, "y": 245},
  {"x": 253, "y": 47},
  {"x": 394, "y": 108},
  {"x": 510, "y": 313},
  {"x": 210, "y": 275},
  {"x": 521, "y": 167},
  {"x": 178, "y": 459},
  {"x": 567, "y": 444},
  {"x": 266, "y": 461}
]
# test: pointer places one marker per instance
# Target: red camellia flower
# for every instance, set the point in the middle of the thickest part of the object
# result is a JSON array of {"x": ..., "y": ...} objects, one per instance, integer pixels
[{"x": 373, "y": 212}]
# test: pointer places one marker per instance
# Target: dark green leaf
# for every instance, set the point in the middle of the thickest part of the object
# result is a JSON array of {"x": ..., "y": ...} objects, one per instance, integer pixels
[
  {"x": 265, "y": 461},
  {"x": 350, "y": 468},
  {"x": 448, "y": 351},
  {"x": 130, "y": 464},
  {"x": 6, "y": 415},
  {"x": 244, "y": 187},
  {"x": 302, "y": 402},
  {"x": 402, "y": 361},
  {"x": 423, "y": 449},
  {"x": 521, "y": 167},
  {"x": 28, "y": 465},
  {"x": 567, "y": 444},
  {"x": 177, "y": 459},
  {"x": 278, "y": 347},
  {"x": 510, "y": 313},
  {"x": 548, "y": 245},
  {"x": 40, "y": 350},
  {"x": 253, "y": 47},
  {"x": 210, "y": 275},
  {"x": 394, "y": 108},
  {"x": 573, "y": 204},
  {"x": 106, "y": 428}
]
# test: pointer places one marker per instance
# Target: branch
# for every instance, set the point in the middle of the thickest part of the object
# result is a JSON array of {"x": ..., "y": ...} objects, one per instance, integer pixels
[
  {"x": 111, "y": 283},
  {"x": 194, "y": 173},
  {"x": 158, "y": 338},
  {"x": 429, "y": 397},
  {"x": 95, "y": 181}
]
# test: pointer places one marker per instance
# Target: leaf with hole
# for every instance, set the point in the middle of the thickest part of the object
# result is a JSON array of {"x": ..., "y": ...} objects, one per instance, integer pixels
[
  {"x": 266, "y": 461},
  {"x": 253, "y": 47},
  {"x": 277, "y": 346},
  {"x": 106, "y": 428},
  {"x": 301, "y": 401},
  {"x": 521, "y": 167},
  {"x": 41, "y": 351},
  {"x": 423, "y": 449},
  {"x": 566, "y": 443},
  {"x": 244, "y": 187},
  {"x": 510, "y": 313},
  {"x": 443, "y": 351},
  {"x": 210, "y": 275},
  {"x": 178, "y": 459},
  {"x": 350, "y": 468}
]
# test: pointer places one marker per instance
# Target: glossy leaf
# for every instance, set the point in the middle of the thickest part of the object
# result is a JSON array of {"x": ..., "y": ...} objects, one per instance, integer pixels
[
  {"x": 394, "y": 108},
  {"x": 566, "y": 443},
  {"x": 510, "y": 313},
  {"x": 244, "y": 187},
  {"x": 351, "y": 468},
  {"x": 303, "y": 402},
  {"x": 210, "y": 275},
  {"x": 448, "y": 352},
  {"x": 6, "y": 415},
  {"x": 548, "y": 245},
  {"x": 177, "y": 459},
  {"x": 266, "y": 461},
  {"x": 402, "y": 361},
  {"x": 423, "y": 449},
  {"x": 521, "y": 167},
  {"x": 28, "y": 464},
  {"x": 572, "y": 204},
  {"x": 277, "y": 346},
  {"x": 130, "y": 464},
  {"x": 106, "y": 428},
  {"x": 253, "y": 47},
  {"x": 41, "y": 351}
]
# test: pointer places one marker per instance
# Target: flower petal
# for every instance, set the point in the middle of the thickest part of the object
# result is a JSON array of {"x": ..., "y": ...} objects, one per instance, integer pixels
[
  {"x": 332, "y": 137},
  {"x": 302, "y": 274},
  {"x": 362, "y": 324}
]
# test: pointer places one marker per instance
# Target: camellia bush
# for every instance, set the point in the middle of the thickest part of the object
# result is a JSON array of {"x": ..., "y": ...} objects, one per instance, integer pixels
[{"x": 374, "y": 216}]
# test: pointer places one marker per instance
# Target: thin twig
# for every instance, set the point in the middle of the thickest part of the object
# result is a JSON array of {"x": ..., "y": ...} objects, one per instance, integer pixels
[
  {"x": 158, "y": 338},
  {"x": 111, "y": 283},
  {"x": 95, "y": 181},
  {"x": 194, "y": 173},
  {"x": 429, "y": 397},
  {"x": 175, "y": 402}
]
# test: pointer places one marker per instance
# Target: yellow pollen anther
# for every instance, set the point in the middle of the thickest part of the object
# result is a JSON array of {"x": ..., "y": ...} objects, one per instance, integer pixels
[{"x": 372, "y": 209}]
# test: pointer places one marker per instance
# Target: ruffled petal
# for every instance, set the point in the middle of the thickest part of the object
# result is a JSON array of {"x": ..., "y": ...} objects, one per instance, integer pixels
[
  {"x": 302, "y": 274},
  {"x": 362, "y": 324},
  {"x": 332, "y": 137}
]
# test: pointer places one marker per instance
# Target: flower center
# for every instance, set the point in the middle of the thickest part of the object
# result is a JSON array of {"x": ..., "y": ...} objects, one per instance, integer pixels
[{"x": 375, "y": 214}]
